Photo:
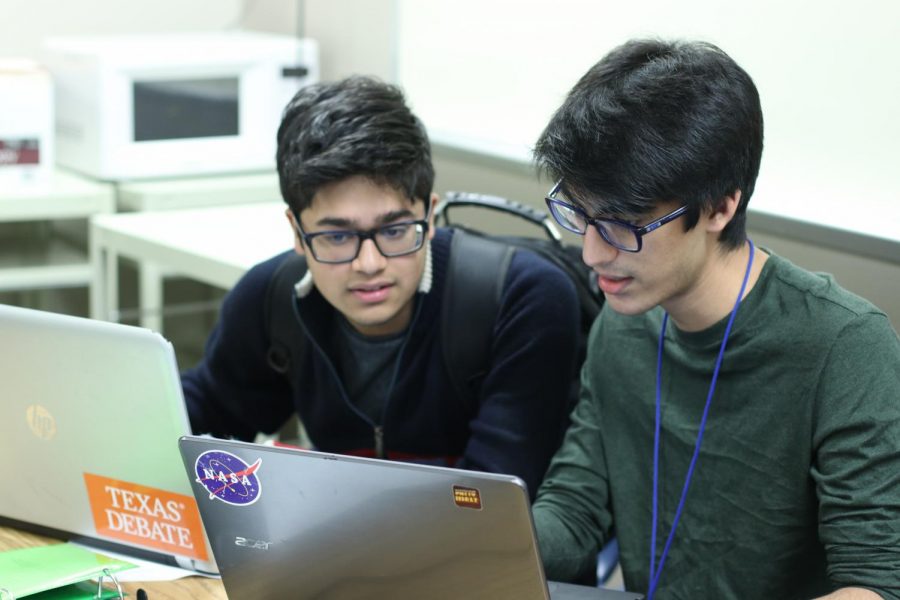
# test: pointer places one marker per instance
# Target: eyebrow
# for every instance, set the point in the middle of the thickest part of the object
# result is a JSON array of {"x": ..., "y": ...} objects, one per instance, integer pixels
[
  {"x": 380, "y": 220},
  {"x": 609, "y": 215}
]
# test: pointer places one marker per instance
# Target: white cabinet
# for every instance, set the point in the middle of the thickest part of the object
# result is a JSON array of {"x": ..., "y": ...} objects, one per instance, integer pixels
[{"x": 35, "y": 255}]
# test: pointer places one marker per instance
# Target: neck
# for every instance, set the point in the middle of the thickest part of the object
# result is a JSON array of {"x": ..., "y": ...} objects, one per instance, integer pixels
[{"x": 712, "y": 294}]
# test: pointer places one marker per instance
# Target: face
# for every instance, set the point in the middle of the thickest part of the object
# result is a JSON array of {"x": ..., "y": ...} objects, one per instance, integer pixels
[
  {"x": 374, "y": 293},
  {"x": 670, "y": 269}
]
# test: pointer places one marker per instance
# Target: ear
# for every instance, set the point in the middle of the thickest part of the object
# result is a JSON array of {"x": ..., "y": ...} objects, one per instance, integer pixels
[
  {"x": 298, "y": 243},
  {"x": 724, "y": 212},
  {"x": 434, "y": 201}
]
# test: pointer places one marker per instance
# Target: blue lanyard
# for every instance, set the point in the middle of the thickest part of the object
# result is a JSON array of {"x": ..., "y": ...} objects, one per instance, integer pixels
[{"x": 654, "y": 571}]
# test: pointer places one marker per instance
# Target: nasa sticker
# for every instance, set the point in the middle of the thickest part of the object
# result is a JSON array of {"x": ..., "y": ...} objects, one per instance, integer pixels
[{"x": 228, "y": 478}]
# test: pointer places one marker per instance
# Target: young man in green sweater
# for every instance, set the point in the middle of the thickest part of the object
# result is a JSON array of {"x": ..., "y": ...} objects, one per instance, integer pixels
[{"x": 739, "y": 425}]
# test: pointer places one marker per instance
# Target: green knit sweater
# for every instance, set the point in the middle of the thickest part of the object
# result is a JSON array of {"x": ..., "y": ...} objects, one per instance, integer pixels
[{"x": 796, "y": 491}]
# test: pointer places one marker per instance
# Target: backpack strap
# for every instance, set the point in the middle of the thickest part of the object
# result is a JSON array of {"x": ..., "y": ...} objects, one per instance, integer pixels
[
  {"x": 287, "y": 343},
  {"x": 475, "y": 278}
]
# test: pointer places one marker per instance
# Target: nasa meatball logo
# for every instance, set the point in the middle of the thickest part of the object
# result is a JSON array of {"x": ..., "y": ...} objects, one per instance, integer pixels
[{"x": 228, "y": 478}]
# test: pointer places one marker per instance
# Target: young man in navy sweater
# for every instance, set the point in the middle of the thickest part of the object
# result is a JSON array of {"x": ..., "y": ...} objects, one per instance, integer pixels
[{"x": 355, "y": 171}]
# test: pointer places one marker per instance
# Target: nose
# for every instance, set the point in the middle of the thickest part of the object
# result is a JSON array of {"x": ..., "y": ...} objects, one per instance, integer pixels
[
  {"x": 595, "y": 250},
  {"x": 369, "y": 260}
]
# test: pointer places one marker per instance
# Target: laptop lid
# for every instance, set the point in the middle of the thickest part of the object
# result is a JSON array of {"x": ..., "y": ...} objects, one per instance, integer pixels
[
  {"x": 91, "y": 415},
  {"x": 291, "y": 523}
]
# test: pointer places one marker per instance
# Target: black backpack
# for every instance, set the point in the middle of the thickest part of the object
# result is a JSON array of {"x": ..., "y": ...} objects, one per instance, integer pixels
[{"x": 476, "y": 257}]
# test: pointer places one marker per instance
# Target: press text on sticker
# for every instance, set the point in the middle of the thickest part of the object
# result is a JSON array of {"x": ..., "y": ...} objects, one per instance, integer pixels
[{"x": 466, "y": 497}]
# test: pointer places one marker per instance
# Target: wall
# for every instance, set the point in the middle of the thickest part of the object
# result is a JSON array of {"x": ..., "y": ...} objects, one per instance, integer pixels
[
  {"x": 362, "y": 37},
  {"x": 491, "y": 73},
  {"x": 355, "y": 40},
  {"x": 26, "y": 22},
  {"x": 355, "y": 37}
]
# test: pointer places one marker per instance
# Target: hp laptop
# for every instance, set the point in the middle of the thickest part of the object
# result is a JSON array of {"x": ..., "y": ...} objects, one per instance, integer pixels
[
  {"x": 287, "y": 523},
  {"x": 91, "y": 415}
]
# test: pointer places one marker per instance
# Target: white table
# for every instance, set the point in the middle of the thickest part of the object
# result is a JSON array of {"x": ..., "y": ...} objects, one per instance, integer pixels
[
  {"x": 213, "y": 245},
  {"x": 56, "y": 261},
  {"x": 182, "y": 193},
  {"x": 191, "y": 192}
]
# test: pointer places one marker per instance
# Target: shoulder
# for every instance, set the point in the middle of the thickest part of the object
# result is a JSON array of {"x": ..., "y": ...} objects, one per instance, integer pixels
[
  {"x": 812, "y": 319},
  {"x": 262, "y": 272},
  {"x": 525, "y": 273},
  {"x": 817, "y": 298},
  {"x": 528, "y": 289},
  {"x": 538, "y": 274},
  {"x": 539, "y": 296},
  {"x": 251, "y": 288}
]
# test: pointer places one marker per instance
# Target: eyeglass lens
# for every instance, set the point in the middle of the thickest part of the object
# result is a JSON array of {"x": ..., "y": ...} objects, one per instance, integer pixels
[
  {"x": 573, "y": 220},
  {"x": 392, "y": 240}
]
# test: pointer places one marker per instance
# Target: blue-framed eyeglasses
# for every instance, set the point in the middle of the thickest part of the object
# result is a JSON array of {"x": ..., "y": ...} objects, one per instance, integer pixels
[
  {"x": 619, "y": 234},
  {"x": 343, "y": 245}
]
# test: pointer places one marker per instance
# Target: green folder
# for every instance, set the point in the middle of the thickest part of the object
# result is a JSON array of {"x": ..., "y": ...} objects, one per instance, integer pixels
[
  {"x": 76, "y": 591},
  {"x": 31, "y": 570}
]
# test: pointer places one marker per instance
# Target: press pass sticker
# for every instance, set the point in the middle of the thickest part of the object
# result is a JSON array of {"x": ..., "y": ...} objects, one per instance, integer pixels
[
  {"x": 228, "y": 478},
  {"x": 146, "y": 516},
  {"x": 466, "y": 497}
]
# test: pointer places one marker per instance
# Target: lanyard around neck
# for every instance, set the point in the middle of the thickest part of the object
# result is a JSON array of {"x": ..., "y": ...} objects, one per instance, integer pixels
[{"x": 655, "y": 571}]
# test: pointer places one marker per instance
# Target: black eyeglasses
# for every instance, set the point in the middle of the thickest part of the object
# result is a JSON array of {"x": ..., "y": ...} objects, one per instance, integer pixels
[
  {"x": 619, "y": 234},
  {"x": 342, "y": 246}
]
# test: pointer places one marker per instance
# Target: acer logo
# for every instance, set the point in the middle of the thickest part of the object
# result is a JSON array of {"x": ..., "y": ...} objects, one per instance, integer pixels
[{"x": 254, "y": 544}]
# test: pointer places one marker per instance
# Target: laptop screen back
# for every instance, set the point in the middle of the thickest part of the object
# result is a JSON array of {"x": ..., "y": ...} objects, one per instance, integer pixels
[
  {"x": 91, "y": 416},
  {"x": 287, "y": 523}
]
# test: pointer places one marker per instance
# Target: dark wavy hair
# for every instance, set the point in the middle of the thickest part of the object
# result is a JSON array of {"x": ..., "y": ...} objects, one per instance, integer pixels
[
  {"x": 356, "y": 126},
  {"x": 658, "y": 121}
]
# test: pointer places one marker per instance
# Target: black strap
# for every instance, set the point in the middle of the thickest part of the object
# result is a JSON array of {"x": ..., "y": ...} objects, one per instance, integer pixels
[
  {"x": 287, "y": 342},
  {"x": 472, "y": 290}
]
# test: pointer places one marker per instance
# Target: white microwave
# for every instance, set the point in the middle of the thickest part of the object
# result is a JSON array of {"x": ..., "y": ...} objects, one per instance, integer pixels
[{"x": 168, "y": 105}]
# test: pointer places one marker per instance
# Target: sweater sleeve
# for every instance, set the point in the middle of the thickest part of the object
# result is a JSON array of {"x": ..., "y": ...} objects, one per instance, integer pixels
[
  {"x": 571, "y": 513},
  {"x": 856, "y": 463},
  {"x": 524, "y": 401},
  {"x": 233, "y": 392}
]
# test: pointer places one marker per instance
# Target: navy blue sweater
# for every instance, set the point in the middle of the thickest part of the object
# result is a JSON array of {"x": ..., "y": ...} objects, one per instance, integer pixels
[{"x": 514, "y": 426}]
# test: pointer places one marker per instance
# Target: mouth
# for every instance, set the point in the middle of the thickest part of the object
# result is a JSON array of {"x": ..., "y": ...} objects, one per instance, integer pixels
[
  {"x": 371, "y": 293},
  {"x": 613, "y": 285}
]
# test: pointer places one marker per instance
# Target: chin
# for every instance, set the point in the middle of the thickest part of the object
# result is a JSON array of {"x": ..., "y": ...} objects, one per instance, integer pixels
[
  {"x": 375, "y": 324},
  {"x": 624, "y": 307}
]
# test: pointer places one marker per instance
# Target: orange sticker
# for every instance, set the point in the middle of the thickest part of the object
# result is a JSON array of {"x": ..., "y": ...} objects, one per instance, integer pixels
[
  {"x": 146, "y": 516},
  {"x": 466, "y": 497}
]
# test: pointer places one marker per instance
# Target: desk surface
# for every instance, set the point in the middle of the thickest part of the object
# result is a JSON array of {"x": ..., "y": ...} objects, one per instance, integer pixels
[
  {"x": 219, "y": 190},
  {"x": 64, "y": 195},
  {"x": 187, "y": 587},
  {"x": 213, "y": 245}
]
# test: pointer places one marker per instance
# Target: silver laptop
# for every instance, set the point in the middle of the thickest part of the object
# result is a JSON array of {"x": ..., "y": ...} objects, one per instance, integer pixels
[
  {"x": 91, "y": 413},
  {"x": 287, "y": 523}
]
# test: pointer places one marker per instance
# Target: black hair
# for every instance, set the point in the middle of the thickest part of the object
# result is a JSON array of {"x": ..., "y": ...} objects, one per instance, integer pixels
[
  {"x": 357, "y": 126},
  {"x": 658, "y": 121}
]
